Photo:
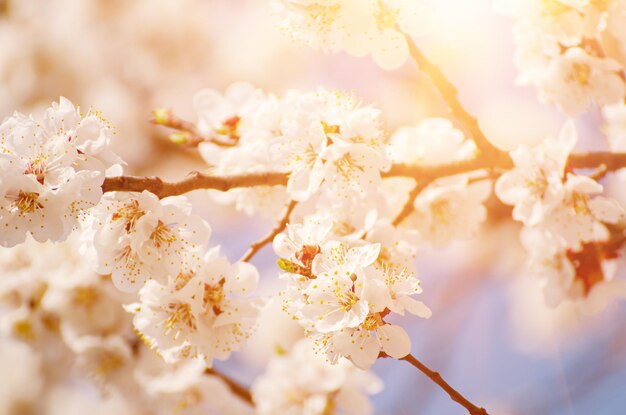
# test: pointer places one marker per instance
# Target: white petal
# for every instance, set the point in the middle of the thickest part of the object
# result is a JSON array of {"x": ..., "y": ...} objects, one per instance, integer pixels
[{"x": 394, "y": 341}]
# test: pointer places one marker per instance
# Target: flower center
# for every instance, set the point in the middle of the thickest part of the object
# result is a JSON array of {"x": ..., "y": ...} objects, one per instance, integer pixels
[
  {"x": 554, "y": 8},
  {"x": 214, "y": 295},
  {"x": 323, "y": 15},
  {"x": 108, "y": 363},
  {"x": 537, "y": 184},
  {"x": 179, "y": 318},
  {"x": 37, "y": 167},
  {"x": 85, "y": 296},
  {"x": 129, "y": 213},
  {"x": 230, "y": 127},
  {"x": 162, "y": 234},
  {"x": 387, "y": 17},
  {"x": 182, "y": 279},
  {"x": 306, "y": 254},
  {"x": 347, "y": 299},
  {"x": 27, "y": 202},
  {"x": 580, "y": 73},
  {"x": 441, "y": 210},
  {"x": 579, "y": 203},
  {"x": 372, "y": 321}
]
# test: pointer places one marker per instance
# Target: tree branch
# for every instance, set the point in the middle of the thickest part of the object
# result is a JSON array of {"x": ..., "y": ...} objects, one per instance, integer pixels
[
  {"x": 197, "y": 180},
  {"x": 408, "y": 206},
  {"x": 282, "y": 224},
  {"x": 449, "y": 94},
  {"x": 235, "y": 387},
  {"x": 453, "y": 393},
  {"x": 612, "y": 161}
]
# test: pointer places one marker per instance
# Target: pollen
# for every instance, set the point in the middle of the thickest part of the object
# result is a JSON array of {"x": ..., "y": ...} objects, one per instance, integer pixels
[
  {"x": 27, "y": 202},
  {"x": 162, "y": 235}
]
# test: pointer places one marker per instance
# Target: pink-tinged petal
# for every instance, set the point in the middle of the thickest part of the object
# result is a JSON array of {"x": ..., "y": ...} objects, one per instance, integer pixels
[
  {"x": 365, "y": 255},
  {"x": 568, "y": 136},
  {"x": 283, "y": 246},
  {"x": 376, "y": 294},
  {"x": 511, "y": 187},
  {"x": 391, "y": 50},
  {"x": 530, "y": 212},
  {"x": 417, "y": 308},
  {"x": 333, "y": 321},
  {"x": 364, "y": 351},
  {"x": 128, "y": 280},
  {"x": 606, "y": 210},
  {"x": 582, "y": 184},
  {"x": 394, "y": 341},
  {"x": 357, "y": 314},
  {"x": 245, "y": 280},
  {"x": 301, "y": 184}
]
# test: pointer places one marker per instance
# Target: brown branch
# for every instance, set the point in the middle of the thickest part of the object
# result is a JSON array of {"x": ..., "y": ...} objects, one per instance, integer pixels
[
  {"x": 453, "y": 393},
  {"x": 449, "y": 94},
  {"x": 196, "y": 180},
  {"x": 408, "y": 206},
  {"x": 234, "y": 386},
  {"x": 612, "y": 161},
  {"x": 282, "y": 224}
]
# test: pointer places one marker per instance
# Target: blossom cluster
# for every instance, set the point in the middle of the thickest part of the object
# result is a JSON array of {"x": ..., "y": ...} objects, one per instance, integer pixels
[
  {"x": 332, "y": 147},
  {"x": 60, "y": 319},
  {"x": 318, "y": 388},
  {"x": 371, "y": 27},
  {"x": 570, "y": 228},
  {"x": 51, "y": 171},
  {"x": 571, "y": 50},
  {"x": 52, "y": 176},
  {"x": 340, "y": 290},
  {"x": 191, "y": 304}
]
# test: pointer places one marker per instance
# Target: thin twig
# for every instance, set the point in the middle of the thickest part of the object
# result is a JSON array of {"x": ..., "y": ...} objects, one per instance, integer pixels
[
  {"x": 449, "y": 94},
  {"x": 191, "y": 135},
  {"x": 409, "y": 205},
  {"x": 234, "y": 386},
  {"x": 453, "y": 393},
  {"x": 282, "y": 224}
]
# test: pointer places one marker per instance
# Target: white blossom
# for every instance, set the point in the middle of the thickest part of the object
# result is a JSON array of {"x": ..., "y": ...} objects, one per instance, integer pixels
[
  {"x": 535, "y": 185},
  {"x": 315, "y": 388},
  {"x": 432, "y": 141},
  {"x": 341, "y": 301},
  {"x": 331, "y": 142},
  {"x": 449, "y": 211},
  {"x": 575, "y": 79},
  {"x": 51, "y": 172},
  {"x": 582, "y": 214},
  {"x": 206, "y": 314},
  {"x": 359, "y": 27},
  {"x": 139, "y": 237}
]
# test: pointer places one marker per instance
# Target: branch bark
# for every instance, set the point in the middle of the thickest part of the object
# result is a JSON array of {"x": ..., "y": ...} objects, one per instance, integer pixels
[
  {"x": 197, "y": 180},
  {"x": 453, "y": 393}
]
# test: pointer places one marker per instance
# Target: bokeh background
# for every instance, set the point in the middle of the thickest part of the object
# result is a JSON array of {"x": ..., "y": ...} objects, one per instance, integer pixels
[{"x": 490, "y": 335}]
